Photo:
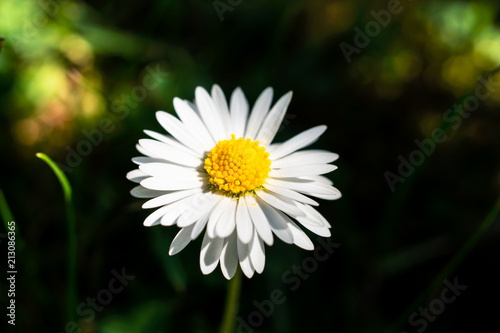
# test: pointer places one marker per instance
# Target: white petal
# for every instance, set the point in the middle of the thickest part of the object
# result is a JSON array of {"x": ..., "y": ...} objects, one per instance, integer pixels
[
  {"x": 201, "y": 223},
  {"x": 180, "y": 241},
  {"x": 221, "y": 105},
  {"x": 333, "y": 196},
  {"x": 169, "y": 198},
  {"x": 210, "y": 254},
  {"x": 171, "y": 142},
  {"x": 303, "y": 186},
  {"x": 193, "y": 123},
  {"x": 144, "y": 151},
  {"x": 321, "y": 231},
  {"x": 144, "y": 159},
  {"x": 299, "y": 141},
  {"x": 183, "y": 221},
  {"x": 172, "y": 214},
  {"x": 278, "y": 223},
  {"x": 244, "y": 258},
  {"x": 317, "y": 225},
  {"x": 317, "y": 189},
  {"x": 197, "y": 206},
  {"x": 244, "y": 225},
  {"x": 171, "y": 183},
  {"x": 199, "y": 226},
  {"x": 305, "y": 157},
  {"x": 257, "y": 253},
  {"x": 229, "y": 257},
  {"x": 166, "y": 170},
  {"x": 216, "y": 214},
  {"x": 280, "y": 202},
  {"x": 259, "y": 112},
  {"x": 155, "y": 217},
  {"x": 300, "y": 238},
  {"x": 177, "y": 129},
  {"x": 311, "y": 217},
  {"x": 259, "y": 220},
  {"x": 273, "y": 120},
  {"x": 175, "y": 173},
  {"x": 209, "y": 114},
  {"x": 319, "y": 178},
  {"x": 308, "y": 221},
  {"x": 227, "y": 222},
  {"x": 302, "y": 170},
  {"x": 239, "y": 112},
  {"x": 136, "y": 176},
  {"x": 291, "y": 194},
  {"x": 161, "y": 150},
  {"x": 203, "y": 211},
  {"x": 142, "y": 192},
  {"x": 194, "y": 107},
  {"x": 191, "y": 212},
  {"x": 313, "y": 213},
  {"x": 272, "y": 147}
]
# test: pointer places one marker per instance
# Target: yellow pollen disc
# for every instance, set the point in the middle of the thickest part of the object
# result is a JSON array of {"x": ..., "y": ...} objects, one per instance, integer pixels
[{"x": 237, "y": 166}]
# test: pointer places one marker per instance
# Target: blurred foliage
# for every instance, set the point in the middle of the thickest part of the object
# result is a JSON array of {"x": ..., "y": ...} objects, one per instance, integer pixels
[{"x": 75, "y": 71}]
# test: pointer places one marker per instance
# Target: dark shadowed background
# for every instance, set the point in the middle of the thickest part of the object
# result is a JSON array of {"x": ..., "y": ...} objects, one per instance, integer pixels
[{"x": 410, "y": 96}]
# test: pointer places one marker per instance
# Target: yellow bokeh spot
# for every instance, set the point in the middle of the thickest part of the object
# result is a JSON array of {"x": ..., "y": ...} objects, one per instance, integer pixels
[{"x": 237, "y": 166}]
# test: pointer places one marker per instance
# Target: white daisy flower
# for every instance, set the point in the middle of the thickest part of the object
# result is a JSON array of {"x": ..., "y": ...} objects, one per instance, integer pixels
[{"x": 218, "y": 171}]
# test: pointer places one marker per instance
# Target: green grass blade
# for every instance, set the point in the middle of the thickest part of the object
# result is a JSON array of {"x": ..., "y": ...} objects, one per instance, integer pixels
[
  {"x": 5, "y": 210},
  {"x": 70, "y": 217},
  {"x": 7, "y": 216},
  {"x": 450, "y": 267}
]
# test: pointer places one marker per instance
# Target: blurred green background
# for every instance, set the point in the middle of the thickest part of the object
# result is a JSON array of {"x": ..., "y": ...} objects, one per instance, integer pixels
[{"x": 70, "y": 70}]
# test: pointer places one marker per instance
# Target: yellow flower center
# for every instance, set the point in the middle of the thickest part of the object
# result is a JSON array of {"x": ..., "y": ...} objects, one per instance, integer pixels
[{"x": 237, "y": 166}]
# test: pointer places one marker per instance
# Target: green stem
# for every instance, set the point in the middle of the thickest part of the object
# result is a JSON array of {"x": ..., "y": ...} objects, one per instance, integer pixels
[
  {"x": 70, "y": 217},
  {"x": 231, "y": 310}
]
